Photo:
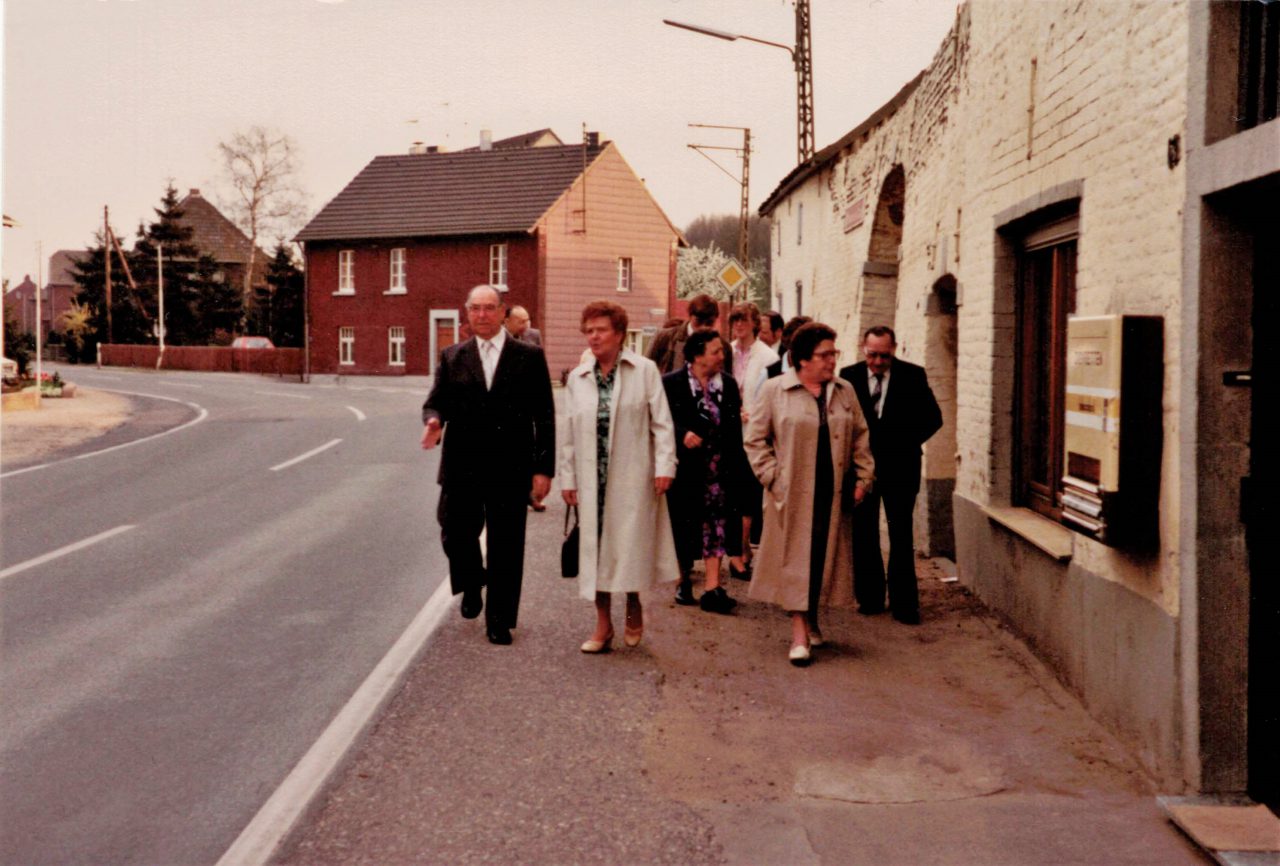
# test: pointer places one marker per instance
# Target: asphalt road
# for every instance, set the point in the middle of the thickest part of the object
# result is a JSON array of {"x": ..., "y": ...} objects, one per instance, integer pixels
[{"x": 161, "y": 680}]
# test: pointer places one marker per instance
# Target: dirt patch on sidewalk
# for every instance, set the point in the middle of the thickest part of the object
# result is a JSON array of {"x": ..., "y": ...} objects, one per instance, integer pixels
[{"x": 60, "y": 423}]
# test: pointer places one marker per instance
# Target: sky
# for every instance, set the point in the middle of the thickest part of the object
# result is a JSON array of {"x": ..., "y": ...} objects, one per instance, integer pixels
[{"x": 108, "y": 101}]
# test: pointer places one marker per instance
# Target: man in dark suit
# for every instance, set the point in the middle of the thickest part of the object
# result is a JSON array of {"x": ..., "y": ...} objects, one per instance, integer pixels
[
  {"x": 667, "y": 350},
  {"x": 492, "y": 402},
  {"x": 901, "y": 414},
  {"x": 517, "y": 325}
]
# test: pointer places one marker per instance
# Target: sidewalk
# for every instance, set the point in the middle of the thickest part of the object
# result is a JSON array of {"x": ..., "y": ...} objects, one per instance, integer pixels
[{"x": 947, "y": 743}]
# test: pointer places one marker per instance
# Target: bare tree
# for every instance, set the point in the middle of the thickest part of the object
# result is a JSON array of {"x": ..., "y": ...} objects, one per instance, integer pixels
[{"x": 260, "y": 165}]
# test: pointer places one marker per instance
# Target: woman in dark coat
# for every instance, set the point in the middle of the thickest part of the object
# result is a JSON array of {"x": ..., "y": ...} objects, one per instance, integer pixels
[{"x": 706, "y": 498}]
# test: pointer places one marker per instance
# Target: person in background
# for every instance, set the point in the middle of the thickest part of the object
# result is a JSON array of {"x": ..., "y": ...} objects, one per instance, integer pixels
[
  {"x": 752, "y": 359},
  {"x": 784, "y": 345},
  {"x": 517, "y": 325},
  {"x": 667, "y": 350},
  {"x": 616, "y": 463},
  {"x": 809, "y": 446},
  {"x": 707, "y": 495},
  {"x": 902, "y": 413},
  {"x": 491, "y": 402},
  {"x": 771, "y": 324}
]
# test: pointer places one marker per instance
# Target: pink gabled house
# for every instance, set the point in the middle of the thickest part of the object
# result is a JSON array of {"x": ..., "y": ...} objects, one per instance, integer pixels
[{"x": 391, "y": 258}]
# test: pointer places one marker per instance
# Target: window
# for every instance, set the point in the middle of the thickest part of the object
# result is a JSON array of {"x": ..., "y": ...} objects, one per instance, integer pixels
[
  {"x": 346, "y": 345},
  {"x": 395, "y": 346},
  {"x": 799, "y": 295},
  {"x": 346, "y": 272},
  {"x": 1046, "y": 277},
  {"x": 778, "y": 233},
  {"x": 634, "y": 340},
  {"x": 397, "y": 285},
  {"x": 498, "y": 266},
  {"x": 800, "y": 224},
  {"x": 624, "y": 274}
]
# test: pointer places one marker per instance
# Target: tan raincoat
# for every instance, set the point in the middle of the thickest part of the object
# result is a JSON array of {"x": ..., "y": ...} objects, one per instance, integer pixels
[{"x": 781, "y": 443}]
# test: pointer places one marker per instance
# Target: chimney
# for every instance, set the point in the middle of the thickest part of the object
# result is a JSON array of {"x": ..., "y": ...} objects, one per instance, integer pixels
[
  {"x": 417, "y": 149},
  {"x": 436, "y": 148},
  {"x": 195, "y": 193},
  {"x": 486, "y": 139},
  {"x": 593, "y": 140}
]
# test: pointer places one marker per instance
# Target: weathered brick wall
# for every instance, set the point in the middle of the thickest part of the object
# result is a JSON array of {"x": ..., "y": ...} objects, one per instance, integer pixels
[{"x": 1109, "y": 91}]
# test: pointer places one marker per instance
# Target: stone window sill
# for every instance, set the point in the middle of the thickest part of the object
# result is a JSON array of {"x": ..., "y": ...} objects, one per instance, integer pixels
[{"x": 1053, "y": 538}]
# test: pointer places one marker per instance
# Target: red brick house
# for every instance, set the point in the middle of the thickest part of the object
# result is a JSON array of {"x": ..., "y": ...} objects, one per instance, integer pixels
[{"x": 390, "y": 259}]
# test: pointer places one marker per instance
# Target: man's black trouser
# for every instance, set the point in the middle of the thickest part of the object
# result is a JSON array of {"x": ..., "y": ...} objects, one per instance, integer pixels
[
  {"x": 899, "y": 502},
  {"x": 466, "y": 509}
]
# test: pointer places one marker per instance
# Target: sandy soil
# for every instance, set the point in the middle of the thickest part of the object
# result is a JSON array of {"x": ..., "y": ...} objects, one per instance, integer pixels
[{"x": 59, "y": 423}]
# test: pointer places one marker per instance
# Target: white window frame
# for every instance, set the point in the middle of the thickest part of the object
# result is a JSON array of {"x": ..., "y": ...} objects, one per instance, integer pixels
[
  {"x": 397, "y": 284},
  {"x": 395, "y": 345},
  {"x": 498, "y": 266},
  {"x": 634, "y": 340},
  {"x": 626, "y": 273},
  {"x": 346, "y": 346},
  {"x": 346, "y": 272}
]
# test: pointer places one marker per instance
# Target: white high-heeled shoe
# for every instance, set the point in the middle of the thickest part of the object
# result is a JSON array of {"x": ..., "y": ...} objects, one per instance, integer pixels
[
  {"x": 594, "y": 646},
  {"x": 799, "y": 655}
]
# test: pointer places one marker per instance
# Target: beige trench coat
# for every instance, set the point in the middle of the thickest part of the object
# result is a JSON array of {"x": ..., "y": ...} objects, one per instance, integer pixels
[
  {"x": 636, "y": 550},
  {"x": 781, "y": 441}
]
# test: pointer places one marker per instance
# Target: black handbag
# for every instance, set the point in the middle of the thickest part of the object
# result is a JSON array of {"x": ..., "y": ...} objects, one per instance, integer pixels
[{"x": 569, "y": 549}]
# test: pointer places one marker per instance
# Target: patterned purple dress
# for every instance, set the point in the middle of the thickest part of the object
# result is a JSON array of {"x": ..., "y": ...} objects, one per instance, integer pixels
[{"x": 714, "y": 502}]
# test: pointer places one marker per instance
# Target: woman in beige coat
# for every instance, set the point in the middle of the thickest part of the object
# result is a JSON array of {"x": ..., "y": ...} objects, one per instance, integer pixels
[
  {"x": 807, "y": 441},
  {"x": 616, "y": 463}
]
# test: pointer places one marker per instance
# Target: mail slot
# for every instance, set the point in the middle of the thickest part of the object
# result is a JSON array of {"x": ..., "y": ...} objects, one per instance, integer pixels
[{"x": 1114, "y": 430}]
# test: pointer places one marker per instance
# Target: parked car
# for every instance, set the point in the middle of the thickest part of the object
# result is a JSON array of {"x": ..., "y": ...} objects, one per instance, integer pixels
[
  {"x": 252, "y": 343},
  {"x": 8, "y": 368}
]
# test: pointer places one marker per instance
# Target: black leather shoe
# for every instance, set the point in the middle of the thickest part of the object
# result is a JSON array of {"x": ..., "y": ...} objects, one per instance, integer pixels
[
  {"x": 716, "y": 601},
  {"x": 684, "y": 593},
  {"x": 911, "y": 617},
  {"x": 499, "y": 634},
  {"x": 472, "y": 603},
  {"x": 868, "y": 610}
]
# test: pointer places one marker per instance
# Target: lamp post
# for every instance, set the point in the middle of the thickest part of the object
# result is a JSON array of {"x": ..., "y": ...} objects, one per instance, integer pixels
[{"x": 801, "y": 57}]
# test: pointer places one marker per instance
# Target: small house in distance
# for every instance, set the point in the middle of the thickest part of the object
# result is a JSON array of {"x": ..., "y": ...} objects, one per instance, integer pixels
[{"x": 553, "y": 226}]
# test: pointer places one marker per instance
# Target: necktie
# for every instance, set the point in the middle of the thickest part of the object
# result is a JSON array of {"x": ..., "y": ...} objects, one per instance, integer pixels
[
  {"x": 488, "y": 355},
  {"x": 876, "y": 391}
]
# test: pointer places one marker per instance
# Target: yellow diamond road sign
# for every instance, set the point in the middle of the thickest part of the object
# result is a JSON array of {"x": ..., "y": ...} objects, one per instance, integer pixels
[{"x": 732, "y": 275}]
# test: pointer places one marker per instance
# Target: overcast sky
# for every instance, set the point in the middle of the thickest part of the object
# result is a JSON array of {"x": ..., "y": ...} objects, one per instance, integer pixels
[{"x": 105, "y": 101}]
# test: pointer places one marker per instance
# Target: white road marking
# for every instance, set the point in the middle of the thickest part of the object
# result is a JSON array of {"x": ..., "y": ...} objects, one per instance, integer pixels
[
  {"x": 360, "y": 416},
  {"x": 312, "y": 453},
  {"x": 260, "y": 840},
  {"x": 63, "y": 551},
  {"x": 182, "y": 385},
  {"x": 284, "y": 394},
  {"x": 203, "y": 413}
]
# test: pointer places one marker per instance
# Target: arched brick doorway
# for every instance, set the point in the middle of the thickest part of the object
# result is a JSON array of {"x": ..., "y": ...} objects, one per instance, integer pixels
[{"x": 880, "y": 271}]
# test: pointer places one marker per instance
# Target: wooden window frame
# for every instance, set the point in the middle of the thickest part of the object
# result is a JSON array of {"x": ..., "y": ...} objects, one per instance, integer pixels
[
  {"x": 625, "y": 273},
  {"x": 346, "y": 272},
  {"x": 346, "y": 346},
  {"x": 498, "y": 266},
  {"x": 395, "y": 345},
  {"x": 397, "y": 282},
  {"x": 1046, "y": 295}
]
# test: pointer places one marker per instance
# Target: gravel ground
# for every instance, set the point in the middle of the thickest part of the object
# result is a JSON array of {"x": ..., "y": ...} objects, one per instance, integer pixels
[{"x": 59, "y": 424}]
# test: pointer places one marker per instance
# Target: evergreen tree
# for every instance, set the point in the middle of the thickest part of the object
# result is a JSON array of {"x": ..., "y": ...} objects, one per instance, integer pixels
[
  {"x": 277, "y": 309},
  {"x": 128, "y": 324}
]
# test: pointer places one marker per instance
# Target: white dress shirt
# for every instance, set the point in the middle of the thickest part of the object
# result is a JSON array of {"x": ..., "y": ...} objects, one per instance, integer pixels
[{"x": 490, "y": 350}]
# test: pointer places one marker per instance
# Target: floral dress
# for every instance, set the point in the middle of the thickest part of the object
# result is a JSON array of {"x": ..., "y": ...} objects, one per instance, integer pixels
[
  {"x": 714, "y": 500},
  {"x": 604, "y": 387}
]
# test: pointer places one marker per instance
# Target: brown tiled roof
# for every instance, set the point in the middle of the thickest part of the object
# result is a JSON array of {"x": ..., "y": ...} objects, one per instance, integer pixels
[
  {"x": 62, "y": 267},
  {"x": 439, "y": 194},
  {"x": 213, "y": 233}
]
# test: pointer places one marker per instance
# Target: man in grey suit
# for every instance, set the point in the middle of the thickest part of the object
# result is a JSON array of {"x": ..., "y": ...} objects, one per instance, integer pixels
[{"x": 517, "y": 324}]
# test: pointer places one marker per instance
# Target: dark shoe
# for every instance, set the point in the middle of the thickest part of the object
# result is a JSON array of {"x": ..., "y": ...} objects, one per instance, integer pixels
[
  {"x": 740, "y": 574},
  {"x": 684, "y": 593},
  {"x": 868, "y": 610},
  {"x": 716, "y": 601},
  {"x": 472, "y": 603},
  {"x": 499, "y": 634},
  {"x": 907, "y": 618}
]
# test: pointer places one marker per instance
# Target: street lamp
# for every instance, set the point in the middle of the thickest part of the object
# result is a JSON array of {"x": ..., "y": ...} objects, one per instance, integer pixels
[{"x": 801, "y": 56}]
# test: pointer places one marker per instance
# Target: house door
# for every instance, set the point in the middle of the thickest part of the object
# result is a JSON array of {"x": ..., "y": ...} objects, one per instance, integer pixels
[
  {"x": 1259, "y": 511},
  {"x": 444, "y": 333}
]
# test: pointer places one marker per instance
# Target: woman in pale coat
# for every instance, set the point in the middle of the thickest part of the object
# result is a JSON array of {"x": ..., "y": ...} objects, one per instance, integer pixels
[
  {"x": 617, "y": 461},
  {"x": 807, "y": 442}
]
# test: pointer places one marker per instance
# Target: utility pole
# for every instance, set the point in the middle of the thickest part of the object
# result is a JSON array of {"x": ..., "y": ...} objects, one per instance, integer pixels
[
  {"x": 39, "y": 321},
  {"x": 801, "y": 57},
  {"x": 106, "y": 261},
  {"x": 744, "y": 182},
  {"x": 160, "y": 288}
]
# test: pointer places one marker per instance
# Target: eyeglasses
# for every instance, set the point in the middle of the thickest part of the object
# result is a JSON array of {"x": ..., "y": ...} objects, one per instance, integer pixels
[
  {"x": 830, "y": 353},
  {"x": 483, "y": 308},
  {"x": 874, "y": 355}
]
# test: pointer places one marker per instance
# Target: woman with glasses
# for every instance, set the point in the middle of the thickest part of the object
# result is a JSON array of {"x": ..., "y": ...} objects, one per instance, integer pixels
[{"x": 808, "y": 444}]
